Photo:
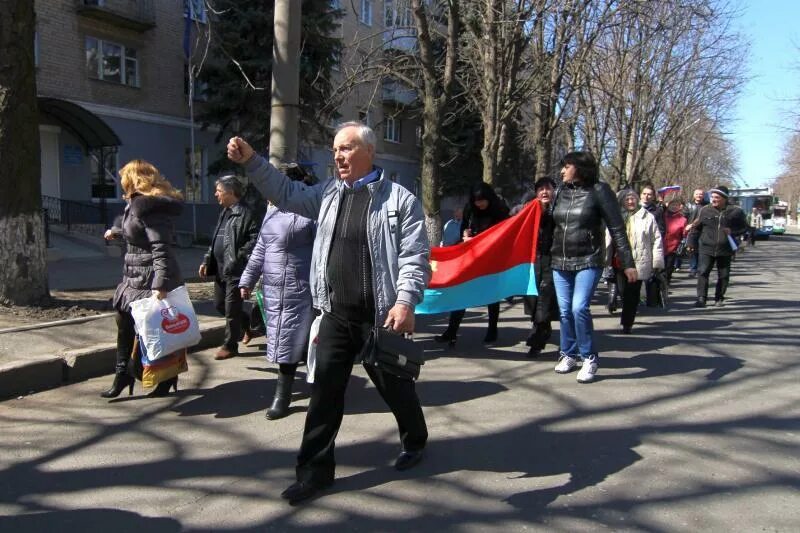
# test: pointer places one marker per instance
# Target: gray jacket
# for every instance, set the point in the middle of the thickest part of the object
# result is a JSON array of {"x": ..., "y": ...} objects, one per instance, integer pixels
[{"x": 398, "y": 242}]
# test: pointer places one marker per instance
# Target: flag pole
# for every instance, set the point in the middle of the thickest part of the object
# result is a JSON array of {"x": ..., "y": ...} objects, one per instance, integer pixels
[{"x": 195, "y": 185}]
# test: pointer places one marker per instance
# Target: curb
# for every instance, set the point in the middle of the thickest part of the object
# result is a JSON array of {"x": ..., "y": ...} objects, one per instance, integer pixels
[{"x": 18, "y": 379}]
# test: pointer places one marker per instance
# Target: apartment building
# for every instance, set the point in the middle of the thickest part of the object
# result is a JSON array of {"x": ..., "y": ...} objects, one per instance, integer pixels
[
  {"x": 112, "y": 83},
  {"x": 111, "y": 77},
  {"x": 369, "y": 28}
]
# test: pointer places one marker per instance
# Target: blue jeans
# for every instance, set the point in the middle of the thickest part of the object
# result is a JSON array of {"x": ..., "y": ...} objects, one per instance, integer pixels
[{"x": 574, "y": 290}]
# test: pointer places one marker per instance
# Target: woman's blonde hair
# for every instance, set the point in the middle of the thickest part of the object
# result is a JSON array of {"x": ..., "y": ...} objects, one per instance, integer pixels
[{"x": 139, "y": 176}]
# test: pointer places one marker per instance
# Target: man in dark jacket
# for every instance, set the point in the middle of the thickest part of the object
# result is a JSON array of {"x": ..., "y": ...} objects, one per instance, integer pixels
[
  {"x": 710, "y": 236},
  {"x": 233, "y": 241}
]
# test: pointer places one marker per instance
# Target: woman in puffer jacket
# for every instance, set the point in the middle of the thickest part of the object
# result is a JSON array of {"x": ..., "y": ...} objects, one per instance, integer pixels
[
  {"x": 150, "y": 267},
  {"x": 282, "y": 259},
  {"x": 648, "y": 254}
]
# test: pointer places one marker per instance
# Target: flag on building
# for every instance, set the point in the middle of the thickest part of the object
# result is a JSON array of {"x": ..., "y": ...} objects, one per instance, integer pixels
[{"x": 496, "y": 264}]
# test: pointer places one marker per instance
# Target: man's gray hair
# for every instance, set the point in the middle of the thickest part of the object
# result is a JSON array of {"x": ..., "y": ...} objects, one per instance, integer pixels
[
  {"x": 365, "y": 133},
  {"x": 232, "y": 184}
]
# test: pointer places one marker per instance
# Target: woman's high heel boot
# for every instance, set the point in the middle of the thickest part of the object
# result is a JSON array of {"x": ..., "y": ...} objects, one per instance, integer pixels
[
  {"x": 162, "y": 389},
  {"x": 120, "y": 382}
]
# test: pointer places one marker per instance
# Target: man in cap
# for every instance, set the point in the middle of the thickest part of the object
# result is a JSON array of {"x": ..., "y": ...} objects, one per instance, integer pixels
[{"x": 711, "y": 236}]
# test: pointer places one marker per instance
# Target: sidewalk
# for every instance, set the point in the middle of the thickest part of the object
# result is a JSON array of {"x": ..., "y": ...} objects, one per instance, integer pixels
[{"x": 39, "y": 357}]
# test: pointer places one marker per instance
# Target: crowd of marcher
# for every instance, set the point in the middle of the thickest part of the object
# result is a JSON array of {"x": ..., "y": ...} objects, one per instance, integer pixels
[{"x": 350, "y": 254}]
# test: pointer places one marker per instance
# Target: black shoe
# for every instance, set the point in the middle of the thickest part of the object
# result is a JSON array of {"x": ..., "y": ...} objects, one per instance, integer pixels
[
  {"x": 446, "y": 337},
  {"x": 534, "y": 352},
  {"x": 302, "y": 490},
  {"x": 162, "y": 389},
  {"x": 491, "y": 336},
  {"x": 407, "y": 460},
  {"x": 120, "y": 382},
  {"x": 625, "y": 329},
  {"x": 282, "y": 399},
  {"x": 700, "y": 303}
]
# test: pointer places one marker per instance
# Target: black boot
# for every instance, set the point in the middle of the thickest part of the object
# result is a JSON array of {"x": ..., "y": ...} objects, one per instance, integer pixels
[
  {"x": 120, "y": 382},
  {"x": 446, "y": 337},
  {"x": 450, "y": 334},
  {"x": 162, "y": 389},
  {"x": 283, "y": 397}
]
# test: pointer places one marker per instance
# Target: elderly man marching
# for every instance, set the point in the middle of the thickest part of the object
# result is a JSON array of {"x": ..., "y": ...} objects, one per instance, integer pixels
[
  {"x": 370, "y": 266},
  {"x": 710, "y": 236}
]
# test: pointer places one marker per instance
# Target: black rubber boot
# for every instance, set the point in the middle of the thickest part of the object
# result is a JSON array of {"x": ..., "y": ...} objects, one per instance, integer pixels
[{"x": 283, "y": 397}]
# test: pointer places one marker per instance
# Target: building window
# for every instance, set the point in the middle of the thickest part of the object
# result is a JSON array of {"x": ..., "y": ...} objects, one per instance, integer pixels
[
  {"x": 104, "y": 183},
  {"x": 112, "y": 62},
  {"x": 391, "y": 130},
  {"x": 419, "y": 136},
  {"x": 195, "y": 10},
  {"x": 397, "y": 15},
  {"x": 193, "y": 192},
  {"x": 365, "y": 17}
]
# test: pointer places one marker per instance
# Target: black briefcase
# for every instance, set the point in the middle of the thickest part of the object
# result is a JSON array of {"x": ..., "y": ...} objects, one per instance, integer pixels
[{"x": 393, "y": 353}]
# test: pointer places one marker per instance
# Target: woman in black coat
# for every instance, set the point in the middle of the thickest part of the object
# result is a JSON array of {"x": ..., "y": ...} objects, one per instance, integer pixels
[
  {"x": 483, "y": 210},
  {"x": 150, "y": 267}
]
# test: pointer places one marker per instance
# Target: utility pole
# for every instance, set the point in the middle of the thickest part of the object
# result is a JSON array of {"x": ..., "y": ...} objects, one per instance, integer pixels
[{"x": 285, "y": 83}]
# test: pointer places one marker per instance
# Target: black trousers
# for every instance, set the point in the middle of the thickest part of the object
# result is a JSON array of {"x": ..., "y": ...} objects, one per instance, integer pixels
[
  {"x": 229, "y": 303},
  {"x": 670, "y": 262},
  {"x": 340, "y": 342},
  {"x": 630, "y": 298},
  {"x": 457, "y": 316},
  {"x": 704, "y": 267},
  {"x": 126, "y": 333}
]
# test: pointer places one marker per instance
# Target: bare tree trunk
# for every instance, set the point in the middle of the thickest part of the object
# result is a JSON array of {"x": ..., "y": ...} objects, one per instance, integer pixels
[
  {"x": 23, "y": 276},
  {"x": 437, "y": 87}
]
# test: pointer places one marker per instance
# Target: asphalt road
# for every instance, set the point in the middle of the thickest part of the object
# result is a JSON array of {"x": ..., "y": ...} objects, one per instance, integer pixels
[{"x": 693, "y": 425}]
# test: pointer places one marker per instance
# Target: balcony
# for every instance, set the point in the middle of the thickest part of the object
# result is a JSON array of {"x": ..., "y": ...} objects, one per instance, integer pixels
[
  {"x": 398, "y": 94},
  {"x": 403, "y": 39},
  {"x": 137, "y": 15}
]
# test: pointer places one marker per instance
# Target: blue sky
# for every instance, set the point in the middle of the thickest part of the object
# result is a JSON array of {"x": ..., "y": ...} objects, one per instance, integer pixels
[{"x": 774, "y": 65}]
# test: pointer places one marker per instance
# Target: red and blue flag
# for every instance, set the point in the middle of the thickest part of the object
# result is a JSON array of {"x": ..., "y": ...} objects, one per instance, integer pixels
[{"x": 496, "y": 264}]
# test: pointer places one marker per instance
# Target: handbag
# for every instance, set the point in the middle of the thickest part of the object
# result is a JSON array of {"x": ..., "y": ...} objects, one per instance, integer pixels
[
  {"x": 392, "y": 353},
  {"x": 681, "y": 249},
  {"x": 168, "y": 325}
]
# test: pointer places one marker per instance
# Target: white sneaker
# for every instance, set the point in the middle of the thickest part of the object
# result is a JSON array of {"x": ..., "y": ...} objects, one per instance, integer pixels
[
  {"x": 588, "y": 370},
  {"x": 565, "y": 364}
]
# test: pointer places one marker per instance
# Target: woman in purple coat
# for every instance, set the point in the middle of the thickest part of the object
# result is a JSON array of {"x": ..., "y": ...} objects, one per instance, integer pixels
[{"x": 282, "y": 258}]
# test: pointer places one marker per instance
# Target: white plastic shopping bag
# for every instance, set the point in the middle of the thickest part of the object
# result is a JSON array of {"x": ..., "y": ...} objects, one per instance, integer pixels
[
  {"x": 167, "y": 325},
  {"x": 313, "y": 341}
]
